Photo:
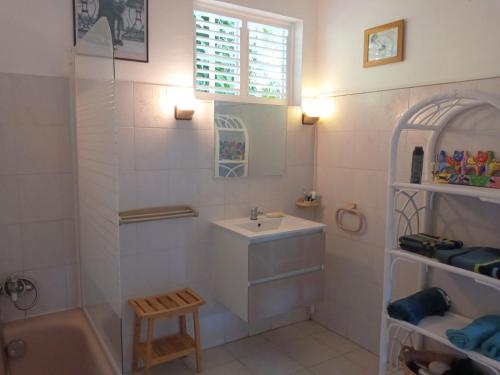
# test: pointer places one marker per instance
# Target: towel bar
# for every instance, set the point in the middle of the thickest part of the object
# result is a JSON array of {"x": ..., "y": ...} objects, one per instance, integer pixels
[{"x": 156, "y": 213}]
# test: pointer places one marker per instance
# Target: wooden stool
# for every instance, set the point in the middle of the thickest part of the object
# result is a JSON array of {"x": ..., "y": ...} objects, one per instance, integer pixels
[{"x": 165, "y": 349}]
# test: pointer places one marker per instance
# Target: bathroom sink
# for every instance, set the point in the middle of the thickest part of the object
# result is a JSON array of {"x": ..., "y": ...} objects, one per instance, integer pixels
[
  {"x": 261, "y": 225},
  {"x": 265, "y": 228}
]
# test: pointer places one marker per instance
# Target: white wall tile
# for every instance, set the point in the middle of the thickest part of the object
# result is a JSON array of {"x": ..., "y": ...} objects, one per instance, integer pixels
[
  {"x": 211, "y": 188},
  {"x": 41, "y": 197},
  {"x": 38, "y": 149},
  {"x": 6, "y": 100},
  {"x": 152, "y": 148},
  {"x": 43, "y": 245},
  {"x": 68, "y": 195},
  {"x": 124, "y": 101},
  {"x": 129, "y": 243},
  {"x": 353, "y": 156},
  {"x": 128, "y": 190},
  {"x": 40, "y": 100},
  {"x": 150, "y": 108},
  {"x": 189, "y": 148},
  {"x": 176, "y": 252},
  {"x": 236, "y": 191},
  {"x": 66, "y": 150},
  {"x": 208, "y": 214},
  {"x": 152, "y": 188},
  {"x": 11, "y": 259},
  {"x": 126, "y": 148},
  {"x": 52, "y": 289},
  {"x": 9, "y": 200},
  {"x": 35, "y": 144},
  {"x": 183, "y": 186},
  {"x": 8, "y": 150}
]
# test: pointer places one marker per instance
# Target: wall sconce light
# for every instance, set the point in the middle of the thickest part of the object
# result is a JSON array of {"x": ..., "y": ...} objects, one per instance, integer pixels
[
  {"x": 184, "y": 101},
  {"x": 315, "y": 108}
]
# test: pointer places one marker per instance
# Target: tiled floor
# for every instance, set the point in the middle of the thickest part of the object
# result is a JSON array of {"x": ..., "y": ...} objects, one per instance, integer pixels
[{"x": 302, "y": 349}]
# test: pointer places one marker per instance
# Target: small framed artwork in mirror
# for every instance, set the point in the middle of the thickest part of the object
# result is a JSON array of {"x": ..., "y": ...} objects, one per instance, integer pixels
[{"x": 384, "y": 44}]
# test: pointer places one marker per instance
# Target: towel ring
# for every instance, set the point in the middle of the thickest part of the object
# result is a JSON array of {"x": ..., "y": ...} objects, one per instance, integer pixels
[{"x": 351, "y": 209}]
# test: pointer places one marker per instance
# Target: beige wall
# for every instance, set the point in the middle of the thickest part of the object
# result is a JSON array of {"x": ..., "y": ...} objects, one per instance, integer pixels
[
  {"x": 39, "y": 39},
  {"x": 169, "y": 162},
  {"x": 446, "y": 41},
  {"x": 37, "y": 233},
  {"x": 352, "y": 166}
]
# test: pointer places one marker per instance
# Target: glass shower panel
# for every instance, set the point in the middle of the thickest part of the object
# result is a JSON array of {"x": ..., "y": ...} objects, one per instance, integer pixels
[{"x": 97, "y": 159}]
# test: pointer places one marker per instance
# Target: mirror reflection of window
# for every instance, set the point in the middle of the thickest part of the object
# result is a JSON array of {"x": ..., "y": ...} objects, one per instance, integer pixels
[{"x": 250, "y": 139}]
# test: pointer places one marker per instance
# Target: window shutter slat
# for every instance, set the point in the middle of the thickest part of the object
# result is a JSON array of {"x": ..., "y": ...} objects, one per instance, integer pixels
[
  {"x": 217, "y": 53},
  {"x": 267, "y": 61}
]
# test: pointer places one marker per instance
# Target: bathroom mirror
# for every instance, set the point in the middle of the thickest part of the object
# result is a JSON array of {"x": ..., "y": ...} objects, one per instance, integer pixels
[{"x": 250, "y": 139}]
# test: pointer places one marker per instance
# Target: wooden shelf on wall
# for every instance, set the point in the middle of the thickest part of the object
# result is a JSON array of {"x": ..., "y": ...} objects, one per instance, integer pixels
[{"x": 300, "y": 202}]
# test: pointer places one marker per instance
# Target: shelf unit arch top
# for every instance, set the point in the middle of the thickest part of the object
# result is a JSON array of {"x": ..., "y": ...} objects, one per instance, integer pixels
[{"x": 436, "y": 112}]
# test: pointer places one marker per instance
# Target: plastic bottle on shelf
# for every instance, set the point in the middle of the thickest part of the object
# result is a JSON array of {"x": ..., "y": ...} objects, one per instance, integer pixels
[{"x": 417, "y": 165}]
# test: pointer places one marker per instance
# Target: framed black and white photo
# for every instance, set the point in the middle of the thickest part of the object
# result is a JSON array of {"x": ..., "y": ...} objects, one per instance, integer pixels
[{"x": 128, "y": 21}]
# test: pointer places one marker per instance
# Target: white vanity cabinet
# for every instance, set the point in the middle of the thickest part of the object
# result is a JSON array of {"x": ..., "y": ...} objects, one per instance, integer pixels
[{"x": 263, "y": 277}]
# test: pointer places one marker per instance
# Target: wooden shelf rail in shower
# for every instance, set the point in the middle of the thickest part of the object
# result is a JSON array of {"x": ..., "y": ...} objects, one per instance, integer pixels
[
  {"x": 156, "y": 351},
  {"x": 157, "y": 213}
]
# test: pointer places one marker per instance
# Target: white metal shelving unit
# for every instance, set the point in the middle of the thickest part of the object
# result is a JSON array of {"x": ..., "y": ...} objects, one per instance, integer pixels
[{"x": 409, "y": 209}]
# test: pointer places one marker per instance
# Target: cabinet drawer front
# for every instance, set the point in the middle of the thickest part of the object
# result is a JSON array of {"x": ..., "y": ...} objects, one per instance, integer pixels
[
  {"x": 281, "y": 296},
  {"x": 267, "y": 259}
]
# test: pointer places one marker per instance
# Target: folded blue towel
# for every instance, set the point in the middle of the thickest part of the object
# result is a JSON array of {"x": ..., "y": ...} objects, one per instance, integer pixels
[
  {"x": 474, "y": 334},
  {"x": 491, "y": 347},
  {"x": 414, "y": 308}
]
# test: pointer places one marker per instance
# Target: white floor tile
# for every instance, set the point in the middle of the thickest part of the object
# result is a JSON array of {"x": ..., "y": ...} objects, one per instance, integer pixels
[
  {"x": 271, "y": 362},
  {"x": 211, "y": 358},
  {"x": 338, "y": 366},
  {"x": 310, "y": 327},
  {"x": 308, "y": 351},
  {"x": 365, "y": 359},
  {"x": 170, "y": 368},
  {"x": 284, "y": 335},
  {"x": 304, "y": 348},
  {"x": 248, "y": 346},
  {"x": 231, "y": 368},
  {"x": 336, "y": 342}
]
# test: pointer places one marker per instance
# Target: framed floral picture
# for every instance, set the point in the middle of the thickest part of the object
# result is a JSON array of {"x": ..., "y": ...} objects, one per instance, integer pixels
[
  {"x": 128, "y": 21},
  {"x": 384, "y": 44}
]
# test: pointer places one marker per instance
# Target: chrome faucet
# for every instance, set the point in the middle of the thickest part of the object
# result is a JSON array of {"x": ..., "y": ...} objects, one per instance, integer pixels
[
  {"x": 15, "y": 287},
  {"x": 255, "y": 212}
]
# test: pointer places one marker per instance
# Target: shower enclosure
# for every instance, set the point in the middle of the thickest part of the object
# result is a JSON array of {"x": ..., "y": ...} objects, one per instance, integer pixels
[{"x": 97, "y": 184}]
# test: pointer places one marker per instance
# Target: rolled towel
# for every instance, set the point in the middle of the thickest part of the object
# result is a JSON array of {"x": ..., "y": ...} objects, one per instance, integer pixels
[
  {"x": 412, "y": 309},
  {"x": 491, "y": 347},
  {"x": 471, "y": 336}
]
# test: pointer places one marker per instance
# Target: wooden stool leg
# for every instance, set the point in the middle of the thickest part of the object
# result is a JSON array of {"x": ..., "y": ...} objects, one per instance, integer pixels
[
  {"x": 149, "y": 348},
  {"x": 137, "y": 338},
  {"x": 199, "y": 359},
  {"x": 182, "y": 324}
]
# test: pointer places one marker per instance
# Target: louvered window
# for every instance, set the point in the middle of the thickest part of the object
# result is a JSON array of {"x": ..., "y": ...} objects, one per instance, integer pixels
[
  {"x": 217, "y": 53},
  {"x": 239, "y": 56},
  {"x": 267, "y": 61}
]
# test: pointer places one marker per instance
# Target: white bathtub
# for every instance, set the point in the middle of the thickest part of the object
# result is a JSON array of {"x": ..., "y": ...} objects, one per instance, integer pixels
[{"x": 57, "y": 344}]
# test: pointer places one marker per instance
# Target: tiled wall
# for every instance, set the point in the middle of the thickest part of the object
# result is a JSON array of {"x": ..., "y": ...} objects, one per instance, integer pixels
[
  {"x": 36, "y": 190},
  {"x": 353, "y": 157},
  {"x": 167, "y": 162}
]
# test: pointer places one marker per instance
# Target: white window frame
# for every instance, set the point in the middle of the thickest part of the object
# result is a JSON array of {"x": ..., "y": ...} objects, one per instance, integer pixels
[{"x": 249, "y": 15}]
